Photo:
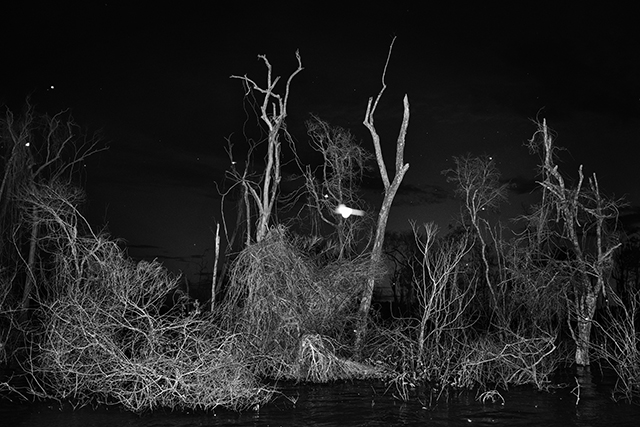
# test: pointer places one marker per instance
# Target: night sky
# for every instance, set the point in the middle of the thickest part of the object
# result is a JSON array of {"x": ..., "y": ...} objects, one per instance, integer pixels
[{"x": 155, "y": 80}]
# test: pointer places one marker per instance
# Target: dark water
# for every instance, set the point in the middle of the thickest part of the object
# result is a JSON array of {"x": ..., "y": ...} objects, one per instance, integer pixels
[{"x": 360, "y": 404}]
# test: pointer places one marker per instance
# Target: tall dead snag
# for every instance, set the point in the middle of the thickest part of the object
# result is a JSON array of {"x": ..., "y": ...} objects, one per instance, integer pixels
[
  {"x": 581, "y": 217},
  {"x": 390, "y": 189},
  {"x": 273, "y": 112}
]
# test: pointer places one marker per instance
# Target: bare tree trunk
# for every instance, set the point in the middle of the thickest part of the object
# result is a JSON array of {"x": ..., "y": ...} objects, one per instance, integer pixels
[
  {"x": 390, "y": 189},
  {"x": 585, "y": 311},
  {"x": 214, "y": 279},
  {"x": 247, "y": 212},
  {"x": 376, "y": 252},
  {"x": 487, "y": 267},
  {"x": 31, "y": 261}
]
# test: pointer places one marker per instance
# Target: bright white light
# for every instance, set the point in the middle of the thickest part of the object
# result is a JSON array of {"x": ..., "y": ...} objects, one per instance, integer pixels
[{"x": 347, "y": 212}]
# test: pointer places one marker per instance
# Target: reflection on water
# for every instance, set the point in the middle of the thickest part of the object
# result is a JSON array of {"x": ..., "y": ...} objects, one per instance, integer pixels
[{"x": 362, "y": 404}]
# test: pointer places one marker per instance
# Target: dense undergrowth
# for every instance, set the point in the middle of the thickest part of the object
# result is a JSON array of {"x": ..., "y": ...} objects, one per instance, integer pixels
[{"x": 103, "y": 334}]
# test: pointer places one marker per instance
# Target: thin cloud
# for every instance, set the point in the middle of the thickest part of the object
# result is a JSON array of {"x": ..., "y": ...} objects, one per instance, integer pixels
[
  {"x": 414, "y": 195},
  {"x": 522, "y": 185}
]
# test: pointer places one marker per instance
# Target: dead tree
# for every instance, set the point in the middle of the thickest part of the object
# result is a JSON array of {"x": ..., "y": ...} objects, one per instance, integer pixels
[
  {"x": 478, "y": 184},
  {"x": 273, "y": 111},
  {"x": 581, "y": 214},
  {"x": 336, "y": 181},
  {"x": 390, "y": 189}
]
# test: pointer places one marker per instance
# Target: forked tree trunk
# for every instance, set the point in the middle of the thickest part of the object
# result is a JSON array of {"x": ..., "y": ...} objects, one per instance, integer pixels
[
  {"x": 376, "y": 252},
  {"x": 273, "y": 112}
]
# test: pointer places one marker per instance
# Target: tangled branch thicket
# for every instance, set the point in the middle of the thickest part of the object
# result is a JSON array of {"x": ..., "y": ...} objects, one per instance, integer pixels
[
  {"x": 128, "y": 356},
  {"x": 618, "y": 345},
  {"x": 296, "y": 316},
  {"x": 102, "y": 333},
  {"x": 446, "y": 346}
]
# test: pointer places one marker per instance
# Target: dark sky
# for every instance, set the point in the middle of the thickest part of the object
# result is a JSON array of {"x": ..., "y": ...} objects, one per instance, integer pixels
[{"x": 155, "y": 79}]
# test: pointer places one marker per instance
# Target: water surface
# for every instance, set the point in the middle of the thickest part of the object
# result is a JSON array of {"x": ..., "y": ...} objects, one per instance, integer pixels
[{"x": 359, "y": 404}]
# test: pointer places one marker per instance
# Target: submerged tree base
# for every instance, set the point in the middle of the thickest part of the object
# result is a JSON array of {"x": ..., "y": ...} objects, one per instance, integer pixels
[{"x": 318, "y": 363}]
